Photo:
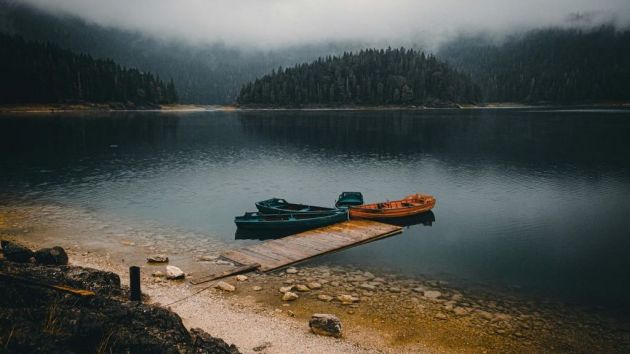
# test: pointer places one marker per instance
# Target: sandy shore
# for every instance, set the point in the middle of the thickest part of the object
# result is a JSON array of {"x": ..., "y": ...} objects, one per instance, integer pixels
[{"x": 389, "y": 313}]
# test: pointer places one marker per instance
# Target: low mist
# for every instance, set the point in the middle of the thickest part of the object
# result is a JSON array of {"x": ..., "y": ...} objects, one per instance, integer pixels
[{"x": 281, "y": 23}]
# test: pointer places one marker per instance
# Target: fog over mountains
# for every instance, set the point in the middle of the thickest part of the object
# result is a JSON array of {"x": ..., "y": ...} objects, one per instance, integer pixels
[
  {"x": 212, "y": 48},
  {"x": 278, "y": 23}
]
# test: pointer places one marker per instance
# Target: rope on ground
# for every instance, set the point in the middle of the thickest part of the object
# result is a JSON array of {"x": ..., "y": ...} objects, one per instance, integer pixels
[{"x": 191, "y": 295}]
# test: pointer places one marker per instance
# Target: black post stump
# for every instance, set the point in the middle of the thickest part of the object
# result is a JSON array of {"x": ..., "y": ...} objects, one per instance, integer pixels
[{"x": 134, "y": 284}]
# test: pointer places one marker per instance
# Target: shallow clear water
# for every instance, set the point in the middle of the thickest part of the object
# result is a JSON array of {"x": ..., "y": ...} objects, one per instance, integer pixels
[{"x": 537, "y": 200}]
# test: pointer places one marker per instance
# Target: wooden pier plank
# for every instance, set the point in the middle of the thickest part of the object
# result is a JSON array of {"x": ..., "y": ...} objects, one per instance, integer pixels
[{"x": 279, "y": 253}]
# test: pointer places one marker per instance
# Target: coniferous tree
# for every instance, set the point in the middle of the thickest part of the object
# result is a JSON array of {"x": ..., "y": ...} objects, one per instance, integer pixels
[{"x": 35, "y": 72}]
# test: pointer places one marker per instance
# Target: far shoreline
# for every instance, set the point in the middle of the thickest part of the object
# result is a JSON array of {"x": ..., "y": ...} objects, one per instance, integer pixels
[{"x": 183, "y": 108}]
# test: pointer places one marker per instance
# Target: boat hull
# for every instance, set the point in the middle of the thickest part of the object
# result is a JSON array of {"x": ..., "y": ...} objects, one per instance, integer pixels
[
  {"x": 281, "y": 206},
  {"x": 290, "y": 222},
  {"x": 409, "y": 206}
]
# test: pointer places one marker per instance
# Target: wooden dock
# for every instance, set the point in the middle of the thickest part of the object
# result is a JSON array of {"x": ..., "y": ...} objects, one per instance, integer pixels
[{"x": 274, "y": 254}]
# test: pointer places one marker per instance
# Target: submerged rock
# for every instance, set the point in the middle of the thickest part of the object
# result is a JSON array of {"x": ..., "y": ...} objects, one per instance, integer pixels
[
  {"x": 173, "y": 272},
  {"x": 291, "y": 270},
  {"x": 284, "y": 289},
  {"x": 52, "y": 256},
  {"x": 432, "y": 294},
  {"x": 289, "y": 296},
  {"x": 324, "y": 297},
  {"x": 314, "y": 285},
  {"x": 16, "y": 253},
  {"x": 157, "y": 258},
  {"x": 325, "y": 324},
  {"x": 302, "y": 288}
]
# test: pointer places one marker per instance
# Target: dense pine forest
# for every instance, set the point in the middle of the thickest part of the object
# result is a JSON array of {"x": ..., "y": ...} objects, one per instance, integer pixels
[
  {"x": 34, "y": 72},
  {"x": 550, "y": 65},
  {"x": 369, "y": 77}
]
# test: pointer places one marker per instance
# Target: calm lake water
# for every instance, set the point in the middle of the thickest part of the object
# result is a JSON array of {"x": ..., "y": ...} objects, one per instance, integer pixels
[{"x": 537, "y": 200}]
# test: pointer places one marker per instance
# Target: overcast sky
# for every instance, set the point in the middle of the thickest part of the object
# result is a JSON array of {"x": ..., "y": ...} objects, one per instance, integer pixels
[{"x": 274, "y": 23}]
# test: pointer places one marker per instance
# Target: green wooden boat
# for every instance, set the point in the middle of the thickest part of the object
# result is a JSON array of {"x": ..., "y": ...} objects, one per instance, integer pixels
[
  {"x": 347, "y": 199},
  {"x": 281, "y": 206},
  {"x": 290, "y": 221}
]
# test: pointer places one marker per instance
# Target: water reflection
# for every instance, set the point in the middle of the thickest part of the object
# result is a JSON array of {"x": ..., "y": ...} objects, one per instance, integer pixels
[
  {"x": 537, "y": 200},
  {"x": 424, "y": 219}
]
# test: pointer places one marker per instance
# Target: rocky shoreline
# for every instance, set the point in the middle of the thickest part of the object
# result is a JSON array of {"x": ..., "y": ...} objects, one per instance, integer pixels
[
  {"x": 40, "y": 319},
  {"x": 379, "y": 311}
]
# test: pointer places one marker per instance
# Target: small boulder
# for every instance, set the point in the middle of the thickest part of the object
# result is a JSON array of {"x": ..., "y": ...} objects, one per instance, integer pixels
[
  {"x": 347, "y": 299},
  {"x": 325, "y": 325},
  {"x": 302, "y": 288},
  {"x": 314, "y": 285},
  {"x": 324, "y": 297},
  {"x": 173, "y": 272},
  {"x": 16, "y": 253},
  {"x": 241, "y": 277},
  {"x": 52, "y": 256},
  {"x": 284, "y": 289},
  {"x": 367, "y": 286},
  {"x": 289, "y": 296},
  {"x": 157, "y": 258},
  {"x": 225, "y": 286},
  {"x": 291, "y": 270},
  {"x": 432, "y": 294},
  {"x": 257, "y": 288},
  {"x": 394, "y": 289},
  {"x": 441, "y": 316}
]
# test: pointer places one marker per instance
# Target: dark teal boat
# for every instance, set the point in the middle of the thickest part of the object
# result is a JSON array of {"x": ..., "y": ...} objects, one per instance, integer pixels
[
  {"x": 347, "y": 199},
  {"x": 281, "y": 206},
  {"x": 290, "y": 221}
]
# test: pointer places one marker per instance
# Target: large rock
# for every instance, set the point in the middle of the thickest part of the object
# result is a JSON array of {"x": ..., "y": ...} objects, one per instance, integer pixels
[
  {"x": 325, "y": 324},
  {"x": 173, "y": 272},
  {"x": 42, "y": 320},
  {"x": 52, "y": 256},
  {"x": 106, "y": 283},
  {"x": 16, "y": 253}
]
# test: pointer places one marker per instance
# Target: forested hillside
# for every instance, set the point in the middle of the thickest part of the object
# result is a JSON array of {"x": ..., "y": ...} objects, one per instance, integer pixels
[
  {"x": 33, "y": 72},
  {"x": 203, "y": 73},
  {"x": 369, "y": 77},
  {"x": 552, "y": 65}
]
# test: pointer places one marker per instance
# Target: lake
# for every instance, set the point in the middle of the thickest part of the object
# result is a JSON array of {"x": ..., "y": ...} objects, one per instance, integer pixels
[{"x": 534, "y": 200}]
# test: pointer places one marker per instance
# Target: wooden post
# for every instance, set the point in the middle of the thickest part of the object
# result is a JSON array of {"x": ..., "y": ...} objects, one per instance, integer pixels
[{"x": 134, "y": 284}]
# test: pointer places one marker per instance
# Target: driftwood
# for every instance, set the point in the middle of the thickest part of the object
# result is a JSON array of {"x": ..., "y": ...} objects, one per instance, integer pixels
[{"x": 62, "y": 288}]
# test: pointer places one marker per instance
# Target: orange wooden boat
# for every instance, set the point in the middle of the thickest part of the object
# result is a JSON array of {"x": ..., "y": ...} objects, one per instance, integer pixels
[{"x": 410, "y": 205}]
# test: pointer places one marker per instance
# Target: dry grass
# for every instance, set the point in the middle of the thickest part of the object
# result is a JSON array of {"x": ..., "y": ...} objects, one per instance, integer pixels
[
  {"x": 52, "y": 321},
  {"x": 105, "y": 346}
]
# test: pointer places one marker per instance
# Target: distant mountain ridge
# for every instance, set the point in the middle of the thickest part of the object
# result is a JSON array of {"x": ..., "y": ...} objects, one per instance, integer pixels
[
  {"x": 369, "y": 77},
  {"x": 548, "y": 65}
]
